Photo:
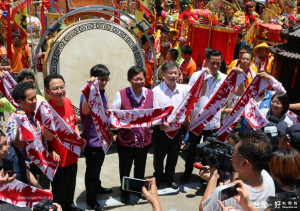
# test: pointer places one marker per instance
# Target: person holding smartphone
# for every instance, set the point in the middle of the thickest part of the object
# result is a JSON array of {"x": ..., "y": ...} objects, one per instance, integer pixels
[{"x": 252, "y": 148}]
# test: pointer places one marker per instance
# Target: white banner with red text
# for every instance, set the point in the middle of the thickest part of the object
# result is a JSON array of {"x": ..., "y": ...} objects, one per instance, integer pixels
[
  {"x": 34, "y": 148},
  {"x": 60, "y": 130},
  {"x": 22, "y": 195},
  {"x": 91, "y": 93},
  {"x": 7, "y": 85},
  {"x": 257, "y": 85},
  {"x": 139, "y": 118},
  {"x": 198, "y": 122},
  {"x": 180, "y": 114},
  {"x": 253, "y": 115}
]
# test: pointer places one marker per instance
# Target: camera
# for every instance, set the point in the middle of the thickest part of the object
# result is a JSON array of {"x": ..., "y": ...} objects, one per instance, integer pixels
[
  {"x": 44, "y": 205},
  {"x": 216, "y": 154}
]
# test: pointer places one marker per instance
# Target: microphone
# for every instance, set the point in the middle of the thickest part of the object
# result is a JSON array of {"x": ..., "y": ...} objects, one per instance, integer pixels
[{"x": 198, "y": 165}]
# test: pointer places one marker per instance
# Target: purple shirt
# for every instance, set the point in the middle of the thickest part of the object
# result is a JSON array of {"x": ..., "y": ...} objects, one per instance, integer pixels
[{"x": 89, "y": 132}]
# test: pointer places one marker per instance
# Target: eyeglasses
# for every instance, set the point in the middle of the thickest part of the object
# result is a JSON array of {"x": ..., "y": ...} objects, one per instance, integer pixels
[
  {"x": 238, "y": 154},
  {"x": 56, "y": 88},
  {"x": 103, "y": 79}
]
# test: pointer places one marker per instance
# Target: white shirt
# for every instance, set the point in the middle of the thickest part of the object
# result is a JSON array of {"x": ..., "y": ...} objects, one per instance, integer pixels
[
  {"x": 212, "y": 86},
  {"x": 165, "y": 97},
  {"x": 117, "y": 101}
]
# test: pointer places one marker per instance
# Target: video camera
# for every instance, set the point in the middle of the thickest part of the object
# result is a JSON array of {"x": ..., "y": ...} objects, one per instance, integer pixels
[
  {"x": 44, "y": 205},
  {"x": 216, "y": 153}
]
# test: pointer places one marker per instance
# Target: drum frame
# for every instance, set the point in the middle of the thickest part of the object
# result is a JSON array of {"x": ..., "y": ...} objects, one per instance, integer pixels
[{"x": 98, "y": 8}]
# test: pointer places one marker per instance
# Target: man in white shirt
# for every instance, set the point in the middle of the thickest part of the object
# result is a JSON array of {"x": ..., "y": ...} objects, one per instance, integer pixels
[
  {"x": 166, "y": 94},
  {"x": 249, "y": 158},
  {"x": 214, "y": 61}
]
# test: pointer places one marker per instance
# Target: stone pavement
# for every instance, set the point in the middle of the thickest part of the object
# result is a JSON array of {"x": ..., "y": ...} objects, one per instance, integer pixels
[{"x": 187, "y": 197}]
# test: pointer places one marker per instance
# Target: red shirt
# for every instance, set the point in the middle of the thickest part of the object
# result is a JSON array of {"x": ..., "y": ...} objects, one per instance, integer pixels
[{"x": 67, "y": 113}]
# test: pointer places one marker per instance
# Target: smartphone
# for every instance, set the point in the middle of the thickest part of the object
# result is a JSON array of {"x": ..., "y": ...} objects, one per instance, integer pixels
[
  {"x": 134, "y": 184},
  {"x": 229, "y": 192},
  {"x": 8, "y": 166}
]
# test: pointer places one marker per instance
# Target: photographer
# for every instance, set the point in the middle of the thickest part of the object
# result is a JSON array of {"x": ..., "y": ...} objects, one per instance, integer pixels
[
  {"x": 290, "y": 137},
  {"x": 252, "y": 148}
]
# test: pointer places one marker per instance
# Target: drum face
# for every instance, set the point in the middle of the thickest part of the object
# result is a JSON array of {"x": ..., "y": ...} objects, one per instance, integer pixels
[{"x": 87, "y": 43}]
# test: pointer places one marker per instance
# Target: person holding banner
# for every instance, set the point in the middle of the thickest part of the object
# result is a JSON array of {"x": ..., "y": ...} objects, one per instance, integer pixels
[
  {"x": 63, "y": 185},
  {"x": 94, "y": 155},
  {"x": 166, "y": 94},
  {"x": 133, "y": 144},
  {"x": 214, "y": 61},
  {"x": 24, "y": 95}
]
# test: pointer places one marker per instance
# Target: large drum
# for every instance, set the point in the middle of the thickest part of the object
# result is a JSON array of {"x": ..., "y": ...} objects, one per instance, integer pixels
[{"x": 84, "y": 44}]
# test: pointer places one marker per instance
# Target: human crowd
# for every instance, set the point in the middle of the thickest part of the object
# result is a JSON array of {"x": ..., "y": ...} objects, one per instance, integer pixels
[{"x": 266, "y": 169}]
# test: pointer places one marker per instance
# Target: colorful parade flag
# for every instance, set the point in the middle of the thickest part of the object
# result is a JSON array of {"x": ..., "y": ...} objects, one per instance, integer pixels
[
  {"x": 20, "y": 13},
  {"x": 139, "y": 118},
  {"x": 22, "y": 195},
  {"x": 180, "y": 114},
  {"x": 217, "y": 101},
  {"x": 34, "y": 148},
  {"x": 7, "y": 85},
  {"x": 257, "y": 85},
  {"x": 91, "y": 93},
  {"x": 253, "y": 115},
  {"x": 60, "y": 130}
]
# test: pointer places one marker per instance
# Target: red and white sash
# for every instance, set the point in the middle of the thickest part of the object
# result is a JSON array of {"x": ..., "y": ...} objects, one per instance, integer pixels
[
  {"x": 139, "y": 118},
  {"x": 255, "y": 87},
  {"x": 183, "y": 110},
  {"x": 91, "y": 93},
  {"x": 198, "y": 122},
  {"x": 22, "y": 195},
  {"x": 253, "y": 115},
  {"x": 34, "y": 148},
  {"x": 294, "y": 117},
  {"x": 60, "y": 130},
  {"x": 7, "y": 85}
]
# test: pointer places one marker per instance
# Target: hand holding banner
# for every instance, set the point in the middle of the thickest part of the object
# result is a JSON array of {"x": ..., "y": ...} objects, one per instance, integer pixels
[
  {"x": 92, "y": 95},
  {"x": 7, "y": 85},
  {"x": 60, "y": 130},
  {"x": 139, "y": 118},
  {"x": 34, "y": 148}
]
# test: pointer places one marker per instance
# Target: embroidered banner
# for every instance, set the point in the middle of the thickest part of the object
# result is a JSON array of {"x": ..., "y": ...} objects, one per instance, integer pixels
[
  {"x": 253, "y": 116},
  {"x": 34, "y": 148},
  {"x": 22, "y": 195},
  {"x": 7, "y": 85},
  {"x": 139, "y": 118},
  {"x": 58, "y": 127},
  {"x": 91, "y": 93},
  {"x": 294, "y": 117},
  {"x": 217, "y": 101},
  {"x": 255, "y": 87},
  {"x": 183, "y": 110}
]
